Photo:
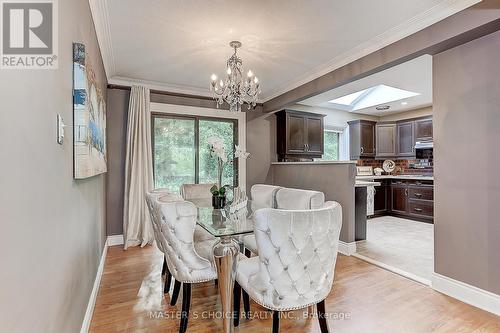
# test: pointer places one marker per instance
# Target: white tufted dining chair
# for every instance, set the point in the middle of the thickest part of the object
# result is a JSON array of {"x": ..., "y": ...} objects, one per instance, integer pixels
[
  {"x": 194, "y": 192},
  {"x": 262, "y": 195},
  {"x": 189, "y": 261},
  {"x": 292, "y": 198},
  {"x": 151, "y": 198},
  {"x": 281, "y": 198},
  {"x": 297, "y": 256}
]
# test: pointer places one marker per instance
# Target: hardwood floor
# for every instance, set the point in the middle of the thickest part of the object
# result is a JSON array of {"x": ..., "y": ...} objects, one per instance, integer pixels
[{"x": 365, "y": 298}]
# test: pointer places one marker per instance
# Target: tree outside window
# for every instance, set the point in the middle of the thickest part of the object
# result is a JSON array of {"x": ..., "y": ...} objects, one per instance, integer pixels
[{"x": 331, "y": 146}]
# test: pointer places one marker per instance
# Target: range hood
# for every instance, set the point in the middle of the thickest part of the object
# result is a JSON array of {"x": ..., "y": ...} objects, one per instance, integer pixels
[{"x": 424, "y": 145}]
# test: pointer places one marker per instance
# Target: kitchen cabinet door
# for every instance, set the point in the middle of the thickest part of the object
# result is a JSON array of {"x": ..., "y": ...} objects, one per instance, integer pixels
[
  {"x": 423, "y": 130},
  {"x": 296, "y": 136},
  {"x": 314, "y": 129},
  {"x": 380, "y": 200},
  {"x": 385, "y": 140},
  {"x": 367, "y": 140},
  {"x": 405, "y": 139},
  {"x": 361, "y": 139},
  {"x": 299, "y": 135},
  {"x": 399, "y": 200}
]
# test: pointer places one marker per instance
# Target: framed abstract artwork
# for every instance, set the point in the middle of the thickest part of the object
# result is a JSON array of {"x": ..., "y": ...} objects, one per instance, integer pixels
[{"x": 89, "y": 118}]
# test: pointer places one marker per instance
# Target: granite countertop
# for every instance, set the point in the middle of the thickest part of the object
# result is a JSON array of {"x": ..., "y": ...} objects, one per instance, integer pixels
[
  {"x": 361, "y": 183},
  {"x": 411, "y": 177}
]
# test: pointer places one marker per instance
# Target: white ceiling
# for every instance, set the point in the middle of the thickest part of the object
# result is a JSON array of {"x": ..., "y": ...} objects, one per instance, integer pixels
[
  {"x": 414, "y": 75},
  {"x": 176, "y": 45}
]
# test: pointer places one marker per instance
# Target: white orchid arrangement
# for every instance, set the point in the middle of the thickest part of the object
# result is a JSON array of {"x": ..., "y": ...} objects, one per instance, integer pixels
[{"x": 217, "y": 150}]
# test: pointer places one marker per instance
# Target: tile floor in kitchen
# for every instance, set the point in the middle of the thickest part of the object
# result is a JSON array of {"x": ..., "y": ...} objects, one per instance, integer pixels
[{"x": 400, "y": 243}]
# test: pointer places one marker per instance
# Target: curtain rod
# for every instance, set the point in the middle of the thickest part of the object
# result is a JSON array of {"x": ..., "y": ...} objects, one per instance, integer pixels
[
  {"x": 160, "y": 92},
  {"x": 166, "y": 93}
]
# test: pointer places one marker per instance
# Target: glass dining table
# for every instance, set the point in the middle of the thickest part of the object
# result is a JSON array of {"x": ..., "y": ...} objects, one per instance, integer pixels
[{"x": 228, "y": 227}]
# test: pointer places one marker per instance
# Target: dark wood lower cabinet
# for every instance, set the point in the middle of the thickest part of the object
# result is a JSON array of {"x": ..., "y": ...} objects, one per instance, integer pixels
[
  {"x": 381, "y": 199},
  {"x": 421, "y": 208},
  {"x": 399, "y": 195},
  {"x": 411, "y": 199}
]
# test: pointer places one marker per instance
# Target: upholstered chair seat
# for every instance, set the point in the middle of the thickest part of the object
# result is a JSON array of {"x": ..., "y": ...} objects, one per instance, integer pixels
[
  {"x": 250, "y": 244},
  {"x": 297, "y": 255}
]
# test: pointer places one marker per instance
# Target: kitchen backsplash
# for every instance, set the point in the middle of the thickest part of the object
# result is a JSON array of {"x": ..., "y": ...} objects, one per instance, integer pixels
[{"x": 402, "y": 166}]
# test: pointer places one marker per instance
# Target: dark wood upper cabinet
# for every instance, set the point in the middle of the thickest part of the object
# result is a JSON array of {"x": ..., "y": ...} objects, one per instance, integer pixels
[
  {"x": 362, "y": 139},
  {"x": 405, "y": 139},
  {"x": 385, "y": 140},
  {"x": 423, "y": 129},
  {"x": 296, "y": 134},
  {"x": 315, "y": 135},
  {"x": 300, "y": 135}
]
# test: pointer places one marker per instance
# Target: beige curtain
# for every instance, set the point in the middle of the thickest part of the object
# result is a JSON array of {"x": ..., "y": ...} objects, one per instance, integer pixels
[{"x": 137, "y": 228}]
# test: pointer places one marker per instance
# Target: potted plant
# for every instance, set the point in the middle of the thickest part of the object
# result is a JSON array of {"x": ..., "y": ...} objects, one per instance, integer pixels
[
  {"x": 218, "y": 197},
  {"x": 217, "y": 150}
]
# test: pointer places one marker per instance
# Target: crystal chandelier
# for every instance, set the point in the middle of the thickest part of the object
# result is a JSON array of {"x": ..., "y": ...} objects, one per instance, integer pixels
[{"x": 234, "y": 89}]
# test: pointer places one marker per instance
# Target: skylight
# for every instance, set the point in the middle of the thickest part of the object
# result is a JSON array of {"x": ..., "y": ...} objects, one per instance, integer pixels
[
  {"x": 380, "y": 94},
  {"x": 348, "y": 99}
]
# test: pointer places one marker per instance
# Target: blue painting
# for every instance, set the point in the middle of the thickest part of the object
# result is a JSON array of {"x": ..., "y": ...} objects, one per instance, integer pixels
[{"x": 89, "y": 118}]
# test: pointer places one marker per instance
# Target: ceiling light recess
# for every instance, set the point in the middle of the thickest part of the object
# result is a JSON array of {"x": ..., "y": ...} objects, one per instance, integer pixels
[{"x": 376, "y": 95}]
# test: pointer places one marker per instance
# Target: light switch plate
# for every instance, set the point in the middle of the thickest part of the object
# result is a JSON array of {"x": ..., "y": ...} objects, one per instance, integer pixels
[{"x": 60, "y": 130}]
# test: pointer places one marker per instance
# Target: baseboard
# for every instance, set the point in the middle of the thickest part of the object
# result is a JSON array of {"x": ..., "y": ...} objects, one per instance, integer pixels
[
  {"x": 95, "y": 289},
  {"x": 393, "y": 269},
  {"x": 466, "y": 293},
  {"x": 347, "y": 249},
  {"x": 115, "y": 240}
]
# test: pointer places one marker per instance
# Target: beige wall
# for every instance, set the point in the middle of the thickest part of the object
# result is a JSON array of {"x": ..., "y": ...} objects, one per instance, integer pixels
[
  {"x": 261, "y": 144},
  {"x": 466, "y": 140},
  {"x": 422, "y": 112},
  {"x": 52, "y": 227}
]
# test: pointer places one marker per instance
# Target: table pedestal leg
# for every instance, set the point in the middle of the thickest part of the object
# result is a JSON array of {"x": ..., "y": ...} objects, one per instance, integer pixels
[{"x": 225, "y": 254}]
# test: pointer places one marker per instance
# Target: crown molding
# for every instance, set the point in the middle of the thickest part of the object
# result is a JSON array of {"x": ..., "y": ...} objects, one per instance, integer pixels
[
  {"x": 161, "y": 86},
  {"x": 433, "y": 15},
  {"x": 100, "y": 15}
]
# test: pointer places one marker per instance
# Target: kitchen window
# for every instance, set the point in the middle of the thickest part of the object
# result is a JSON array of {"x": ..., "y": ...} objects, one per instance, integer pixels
[{"x": 331, "y": 142}]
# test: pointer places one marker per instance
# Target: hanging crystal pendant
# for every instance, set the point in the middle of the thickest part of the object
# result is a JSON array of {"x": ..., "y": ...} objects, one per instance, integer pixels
[{"x": 236, "y": 90}]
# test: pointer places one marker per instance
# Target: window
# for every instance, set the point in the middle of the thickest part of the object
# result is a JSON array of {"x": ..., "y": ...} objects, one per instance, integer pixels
[
  {"x": 331, "y": 146},
  {"x": 181, "y": 153}
]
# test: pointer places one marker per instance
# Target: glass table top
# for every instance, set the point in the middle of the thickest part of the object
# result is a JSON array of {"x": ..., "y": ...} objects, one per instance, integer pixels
[{"x": 220, "y": 223}]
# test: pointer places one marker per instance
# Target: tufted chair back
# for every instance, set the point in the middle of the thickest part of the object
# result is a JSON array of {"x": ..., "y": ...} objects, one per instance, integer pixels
[
  {"x": 298, "y": 252},
  {"x": 150, "y": 201},
  {"x": 178, "y": 222},
  {"x": 264, "y": 195},
  {"x": 196, "y": 191},
  {"x": 291, "y": 198}
]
